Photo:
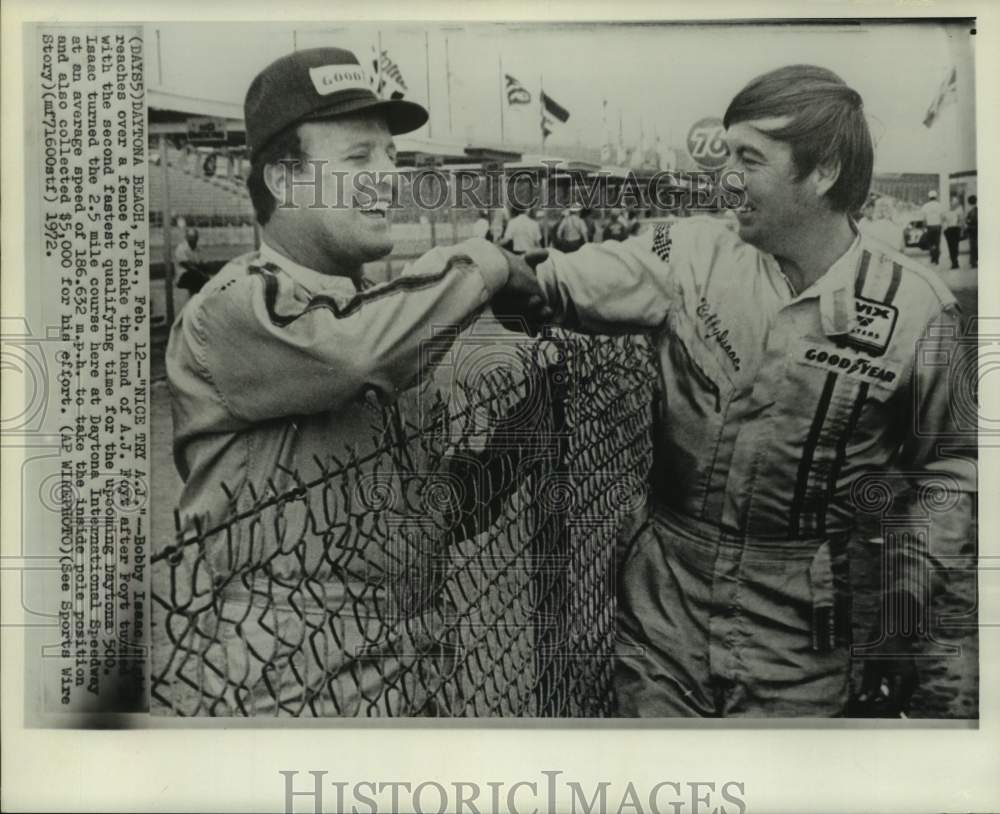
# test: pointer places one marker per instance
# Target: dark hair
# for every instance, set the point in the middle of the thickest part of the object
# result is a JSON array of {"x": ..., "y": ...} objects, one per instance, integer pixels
[
  {"x": 973, "y": 200},
  {"x": 828, "y": 125},
  {"x": 285, "y": 145}
]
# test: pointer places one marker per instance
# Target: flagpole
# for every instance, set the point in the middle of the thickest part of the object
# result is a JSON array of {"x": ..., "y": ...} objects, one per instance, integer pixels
[
  {"x": 427, "y": 66},
  {"x": 620, "y": 146},
  {"x": 545, "y": 180},
  {"x": 500, "y": 90},
  {"x": 605, "y": 133},
  {"x": 541, "y": 109},
  {"x": 447, "y": 69}
]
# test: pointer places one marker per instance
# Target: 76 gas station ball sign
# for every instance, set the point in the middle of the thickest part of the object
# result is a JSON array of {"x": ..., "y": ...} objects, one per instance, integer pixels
[{"x": 705, "y": 143}]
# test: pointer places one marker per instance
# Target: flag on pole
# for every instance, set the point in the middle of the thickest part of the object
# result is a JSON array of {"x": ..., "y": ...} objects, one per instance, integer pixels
[
  {"x": 553, "y": 108},
  {"x": 946, "y": 93},
  {"x": 517, "y": 94},
  {"x": 551, "y": 111}
]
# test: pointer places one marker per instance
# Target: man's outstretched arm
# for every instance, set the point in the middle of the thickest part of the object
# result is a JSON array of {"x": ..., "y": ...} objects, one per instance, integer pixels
[
  {"x": 608, "y": 288},
  {"x": 268, "y": 348}
]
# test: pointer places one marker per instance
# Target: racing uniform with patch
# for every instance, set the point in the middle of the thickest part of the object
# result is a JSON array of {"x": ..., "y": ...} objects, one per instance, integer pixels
[
  {"x": 778, "y": 413},
  {"x": 274, "y": 370}
]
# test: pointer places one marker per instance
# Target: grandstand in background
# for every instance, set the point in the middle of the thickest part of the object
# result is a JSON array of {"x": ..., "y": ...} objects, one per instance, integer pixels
[{"x": 912, "y": 187}]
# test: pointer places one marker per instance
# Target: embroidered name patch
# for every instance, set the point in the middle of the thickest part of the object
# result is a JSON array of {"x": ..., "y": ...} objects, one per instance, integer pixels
[
  {"x": 331, "y": 78},
  {"x": 875, "y": 324},
  {"x": 714, "y": 330},
  {"x": 833, "y": 359}
]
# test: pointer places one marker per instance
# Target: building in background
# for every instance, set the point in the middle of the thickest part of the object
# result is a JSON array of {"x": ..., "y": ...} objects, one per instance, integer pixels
[{"x": 906, "y": 187}]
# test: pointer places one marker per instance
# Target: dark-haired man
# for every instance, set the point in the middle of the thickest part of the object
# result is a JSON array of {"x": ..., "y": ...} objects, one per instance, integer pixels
[
  {"x": 798, "y": 359},
  {"x": 275, "y": 368}
]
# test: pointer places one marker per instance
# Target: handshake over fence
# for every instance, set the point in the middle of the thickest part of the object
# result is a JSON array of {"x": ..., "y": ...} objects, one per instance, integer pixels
[{"x": 462, "y": 565}]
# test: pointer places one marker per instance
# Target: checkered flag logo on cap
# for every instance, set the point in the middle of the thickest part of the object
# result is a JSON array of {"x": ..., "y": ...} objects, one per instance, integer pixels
[{"x": 386, "y": 79}]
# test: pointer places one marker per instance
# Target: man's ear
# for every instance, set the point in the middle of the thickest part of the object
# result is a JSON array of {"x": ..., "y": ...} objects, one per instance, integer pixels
[
  {"x": 278, "y": 180},
  {"x": 824, "y": 177}
]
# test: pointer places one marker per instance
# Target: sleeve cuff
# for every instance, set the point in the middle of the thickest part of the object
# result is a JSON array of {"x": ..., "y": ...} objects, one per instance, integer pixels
[
  {"x": 546, "y": 275},
  {"x": 489, "y": 260}
]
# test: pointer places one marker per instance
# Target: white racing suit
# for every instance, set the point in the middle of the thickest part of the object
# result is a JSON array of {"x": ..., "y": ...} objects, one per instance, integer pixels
[
  {"x": 273, "y": 370},
  {"x": 779, "y": 414}
]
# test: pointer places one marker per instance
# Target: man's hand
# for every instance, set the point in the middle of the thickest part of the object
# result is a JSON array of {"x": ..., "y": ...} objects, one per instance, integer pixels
[
  {"x": 520, "y": 305},
  {"x": 888, "y": 683}
]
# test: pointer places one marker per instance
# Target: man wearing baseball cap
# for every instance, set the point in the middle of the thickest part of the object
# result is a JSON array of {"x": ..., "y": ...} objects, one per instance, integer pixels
[{"x": 284, "y": 359}]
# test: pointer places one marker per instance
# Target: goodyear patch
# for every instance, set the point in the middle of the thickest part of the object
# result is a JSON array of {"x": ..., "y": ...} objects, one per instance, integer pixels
[
  {"x": 874, "y": 326},
  {"x": 332, "y": 78},
  {"x": 859, "y": 366}
]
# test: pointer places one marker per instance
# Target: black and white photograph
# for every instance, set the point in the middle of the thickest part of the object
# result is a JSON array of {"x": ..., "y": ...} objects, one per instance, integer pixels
[
  {"x": 538, "y": 396},
  {"x": 482, "y": 387}
]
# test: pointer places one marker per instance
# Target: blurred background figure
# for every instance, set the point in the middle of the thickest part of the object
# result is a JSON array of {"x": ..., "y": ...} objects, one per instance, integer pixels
[
  {"x": 481, "y": 228},
  {"x": 523, "y": 232},
  {"x": 972, "y": 229},
  {"x": 866, "y": 217},
  {"x": 631, "y": 221},
  {"x": 876, "y": 222},
  {"x": 194, "y": 272},
  {"x": 933, "y": 216},
  {"x": 590, "y": 222},
  {"x": 498, "y": 223},
  {"x": 571, "y": 233},
  {"x": 953, "y": 220},
  {"x": 187, "y": 251},
  {"x": 616, "y": 228}
]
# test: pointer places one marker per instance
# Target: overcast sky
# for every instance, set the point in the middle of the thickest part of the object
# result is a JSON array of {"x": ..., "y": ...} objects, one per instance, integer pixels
[{"x": 660, "y": 77}]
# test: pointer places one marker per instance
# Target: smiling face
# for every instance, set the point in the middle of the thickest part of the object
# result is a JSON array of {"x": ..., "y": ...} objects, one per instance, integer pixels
[
  {"x": 351, "y": 227},
  {"x": 777, "y": 204}
]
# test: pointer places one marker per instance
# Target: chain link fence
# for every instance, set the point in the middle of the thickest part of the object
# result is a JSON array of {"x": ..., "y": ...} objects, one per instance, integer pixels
[{"x": 463, "y": 564}]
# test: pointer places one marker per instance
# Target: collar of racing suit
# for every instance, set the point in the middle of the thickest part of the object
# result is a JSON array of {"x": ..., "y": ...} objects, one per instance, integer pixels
[
  {"x": 835, "y": 291},
  {"x": 312, "y": 280}
]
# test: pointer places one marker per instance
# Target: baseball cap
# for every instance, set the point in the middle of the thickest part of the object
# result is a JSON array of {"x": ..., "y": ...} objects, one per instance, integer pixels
[
  {"x": 932, "y": 194},
  {"x": 317, "y": 83}
]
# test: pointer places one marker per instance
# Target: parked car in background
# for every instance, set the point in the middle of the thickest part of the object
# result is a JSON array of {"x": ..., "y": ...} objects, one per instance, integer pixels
[
  {"x": 883, "y": 229},
  {"x": 913, "y": 232}
]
